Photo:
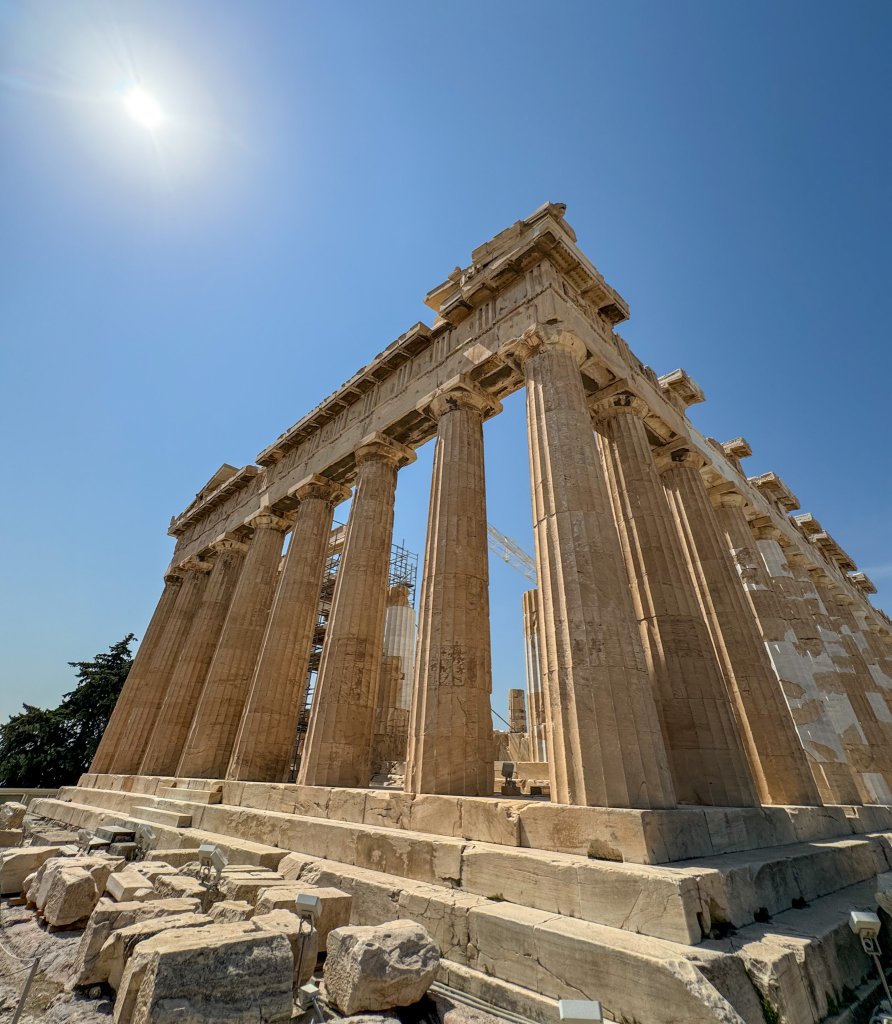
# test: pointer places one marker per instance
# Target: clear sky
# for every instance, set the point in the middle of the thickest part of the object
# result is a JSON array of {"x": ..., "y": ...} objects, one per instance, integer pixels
[{"x": 172, "y": 300}]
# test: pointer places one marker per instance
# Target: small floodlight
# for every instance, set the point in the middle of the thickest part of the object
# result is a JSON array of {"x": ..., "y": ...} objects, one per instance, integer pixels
[
  {"x": 580, "y": 1011},
  {"x": 866, "y": 926},
  {"x": 507, "y": 770},
  {"x": 211, "y": 861},
  {"x": 308, "y": 906},
  {"x": 145, "y": 839}
]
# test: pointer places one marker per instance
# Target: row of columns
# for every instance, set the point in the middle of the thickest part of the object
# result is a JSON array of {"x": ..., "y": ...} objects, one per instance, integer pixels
[{"x": 657, "y": 682}]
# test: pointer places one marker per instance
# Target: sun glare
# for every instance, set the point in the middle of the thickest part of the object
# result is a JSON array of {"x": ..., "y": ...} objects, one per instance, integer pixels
[{"x": 143, "y": 108}]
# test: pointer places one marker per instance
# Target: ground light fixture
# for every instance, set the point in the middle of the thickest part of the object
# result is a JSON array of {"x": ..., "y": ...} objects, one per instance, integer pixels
[
  {"x": 211, "y": 861},
  {"x": 307, "y": 908},
  {"x": 580, "y": 1011},
  {"x": 145, "y": 839},
  {"x": 866, "y": 926}
]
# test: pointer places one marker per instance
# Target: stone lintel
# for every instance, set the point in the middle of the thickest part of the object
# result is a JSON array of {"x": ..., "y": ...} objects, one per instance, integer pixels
[
  {"x": 379, "y": 369},
  {"x": 681, "y": 389},
  {"x": 203, "y": 503},
  {"x": 771, "y": 485},
  {"x": 863, "y": 582}
]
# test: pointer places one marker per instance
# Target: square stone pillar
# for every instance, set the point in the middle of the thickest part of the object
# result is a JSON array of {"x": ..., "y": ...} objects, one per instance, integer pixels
[
  {"x": 821, "y": 714},
  {"x": 776, "y": 756},
  {"x": 606, "y": 744},
  {"x": 148, "y": 702},
  {"x": 117, "y": 729},
  {"x": 226, "y": 557},
  {"x": 338, "y": 749},
  {"x": 773, "y": 622},
  {"x": 450, "y": 725},
  {"x": 700, "y": 729},
  {"x": 214, "y": 727},
  {"x": 278, "y": 689},
  {"x": 863, "y": 733}
]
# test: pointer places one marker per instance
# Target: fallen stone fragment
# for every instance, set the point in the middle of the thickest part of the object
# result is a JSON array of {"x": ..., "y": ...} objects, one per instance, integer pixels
[
  {"x": 89, "y": 966},
  {"x": 16, "y": 865},
  {"x": 122, "y": 942},
  {"x": 183, "y": 887},
  {"x": 221, "y": 973},
  {"x": 335, "y": 905},
  {"x": 10, "y": 836},
  {"x": 127, "y": 885},
  {"x": 99, "y": 868},
  {"x": 380, "y": 966},
  {"x": 71, "y": 897},
  {"x": 12, "y": 814},
  {"x": 302, "y": 936},
  {"x": 227, "y": 911}
]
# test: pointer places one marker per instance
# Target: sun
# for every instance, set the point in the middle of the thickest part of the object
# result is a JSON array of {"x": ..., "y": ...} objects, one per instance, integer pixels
[{"x": 143, "y": 108}]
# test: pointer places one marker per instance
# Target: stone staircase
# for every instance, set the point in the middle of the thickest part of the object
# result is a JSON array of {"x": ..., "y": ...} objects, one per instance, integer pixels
[{"x": 732, "y": 937}]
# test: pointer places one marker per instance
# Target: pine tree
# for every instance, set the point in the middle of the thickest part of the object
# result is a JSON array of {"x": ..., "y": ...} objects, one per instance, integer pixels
[{"x": 49, "y": 748}]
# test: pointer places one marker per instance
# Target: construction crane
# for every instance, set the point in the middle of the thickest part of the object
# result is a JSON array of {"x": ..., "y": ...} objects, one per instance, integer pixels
[{"x": 511, "y": 553}]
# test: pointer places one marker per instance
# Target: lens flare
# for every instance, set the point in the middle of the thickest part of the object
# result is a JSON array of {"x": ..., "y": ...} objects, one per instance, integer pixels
[{"x": 143, "y": 108}]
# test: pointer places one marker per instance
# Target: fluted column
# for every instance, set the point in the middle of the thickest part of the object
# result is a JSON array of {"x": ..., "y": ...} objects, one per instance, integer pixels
[
  {"x": 535, "y": 695},
  {"x": 226, "y": 556},
  {"x": 116, "y": 732},
  {"x": 776, "y": 756},
  {"x": 396, "y": 680},
  {"x": 212, "y": 733},
  {"x": 150, "y": 699},
  {"x": 279, "y": 686},
  {"x": 792, "y": 765},
  {"x": 605, "y": 742},
  {"x": 450, "y": 730},
  {"x": 811, "y": 682},
  {"x": 338, "y": 749},
  {"x": 700, "y": 730},
  {"x": 863, "y": 733}
]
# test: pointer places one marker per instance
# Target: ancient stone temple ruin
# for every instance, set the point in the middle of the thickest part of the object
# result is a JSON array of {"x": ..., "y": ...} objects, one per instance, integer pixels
[{"x": 709, "y": 690}]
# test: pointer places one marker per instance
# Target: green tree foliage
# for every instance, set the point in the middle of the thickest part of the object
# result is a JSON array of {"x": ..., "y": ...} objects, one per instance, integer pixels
[{"x": 49, "y": 748}]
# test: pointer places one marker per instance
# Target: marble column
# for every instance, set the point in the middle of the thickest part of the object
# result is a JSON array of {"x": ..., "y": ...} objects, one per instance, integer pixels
[
  {"x": 162, "y": 755},
  {"x": 776, "y": 755},
  {"x": 770, "y": 619},
  {"x": 278, "y": 691},
  {"x": 150, "y": 699},
  {"x": 338, "y": 749},
  {"x": 214, "y": 727},
  {"x": 700, "y": 730},
  {"x": 532, "y": 664},
  {"x": 397, "y": 675},
  {"x": 863, "y": 733},
  {"x": 606, "y": 744},
  {"x": 116, "y": 732},
  {"x": 450, "y": 724}
]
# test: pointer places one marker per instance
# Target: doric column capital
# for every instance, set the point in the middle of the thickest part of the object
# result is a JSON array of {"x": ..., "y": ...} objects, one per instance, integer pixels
[
  {"x": 227, "y": 542},
  {"x": 459, "y": 393},
  {"x": 379, "y": 447},
  {"x": 541, "y": 337},
  {"x": 798, "y": 558},
  {"x": 618, "y": 403},
  {"x": 320, "y": 488},
  {"x": 173, "y": 578},
  {"x": 195, "y": 565},
  {"x": 725, "y": 495},
  {"x": 264, "y": 519},
  {"x": 764, "y": 529},
  {"x": 671, "y": 456}
]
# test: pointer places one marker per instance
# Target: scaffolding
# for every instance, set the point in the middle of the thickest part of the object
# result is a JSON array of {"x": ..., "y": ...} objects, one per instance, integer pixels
[{"x": 403, "y": 571}]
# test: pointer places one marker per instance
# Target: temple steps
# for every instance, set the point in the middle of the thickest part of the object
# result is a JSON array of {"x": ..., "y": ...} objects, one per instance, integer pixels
[
  {"x": 685, "y": 902},
  {"x": 175, "y": 818},
  {"x": 801, "y": 958},
  {"x": 193, "y": 796}
]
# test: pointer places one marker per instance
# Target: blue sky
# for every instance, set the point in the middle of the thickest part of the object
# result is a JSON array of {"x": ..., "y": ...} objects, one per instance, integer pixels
[{"x": 172, "y": 302}]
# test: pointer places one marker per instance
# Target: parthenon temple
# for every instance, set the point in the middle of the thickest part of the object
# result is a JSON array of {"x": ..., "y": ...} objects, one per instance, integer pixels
[{"x": 704, "y": 744}]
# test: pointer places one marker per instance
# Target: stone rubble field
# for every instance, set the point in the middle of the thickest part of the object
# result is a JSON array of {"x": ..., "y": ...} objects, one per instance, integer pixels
[{"x": 152, "y": 942}]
